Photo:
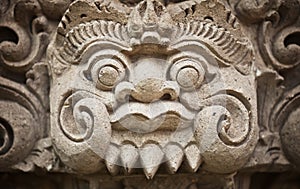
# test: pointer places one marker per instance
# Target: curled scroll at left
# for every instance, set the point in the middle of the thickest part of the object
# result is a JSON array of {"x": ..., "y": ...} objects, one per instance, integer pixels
[
  {"x": 225, "y": 134},
  {"x": 82, "y": 133},
  {"x": 21, "y": 118}
]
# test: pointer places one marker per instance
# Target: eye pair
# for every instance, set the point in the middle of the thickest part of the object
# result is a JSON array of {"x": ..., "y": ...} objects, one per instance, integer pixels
[{"x": 188, "y": 73}]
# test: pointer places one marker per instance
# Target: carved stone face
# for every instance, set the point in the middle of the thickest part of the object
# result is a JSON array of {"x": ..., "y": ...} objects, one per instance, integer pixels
[{"x": 145, "y": 88}]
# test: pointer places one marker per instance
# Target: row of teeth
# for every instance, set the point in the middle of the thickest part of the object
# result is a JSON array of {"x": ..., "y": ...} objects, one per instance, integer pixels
[{"x": 150, "y": 157}]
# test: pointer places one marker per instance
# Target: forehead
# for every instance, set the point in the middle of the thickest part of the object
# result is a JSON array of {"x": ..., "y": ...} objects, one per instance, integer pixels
[{"x": 150, "y": 30}]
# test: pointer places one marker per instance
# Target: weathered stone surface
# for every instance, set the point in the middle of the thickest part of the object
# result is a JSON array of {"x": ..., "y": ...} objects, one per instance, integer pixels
[
  {"x": 150, "y": 82},
  {"x": 149, "y": 94}
]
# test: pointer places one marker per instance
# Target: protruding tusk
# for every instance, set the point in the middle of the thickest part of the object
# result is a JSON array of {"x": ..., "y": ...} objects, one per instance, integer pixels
[
  {"x": 129, "y": 157},
  {"x": 193, "y": 157},
  {"x": 112, "y": 158},
  {"x": 151, "y": 157},
  {"x": 174, "y": 156}
]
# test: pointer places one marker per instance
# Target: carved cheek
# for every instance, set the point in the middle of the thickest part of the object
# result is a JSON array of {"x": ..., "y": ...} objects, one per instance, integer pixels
[
  {"x": 84, "y": 132},
  {"x": 225, "y": 134}
]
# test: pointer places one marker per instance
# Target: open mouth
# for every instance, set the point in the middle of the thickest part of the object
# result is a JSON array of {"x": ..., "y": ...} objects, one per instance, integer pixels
[
  {"x": 136, "y": 128},
  {"x": 156, "y": 116}
]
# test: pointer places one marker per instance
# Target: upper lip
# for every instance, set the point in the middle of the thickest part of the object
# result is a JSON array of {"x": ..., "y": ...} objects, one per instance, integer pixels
[
  {"x": 151, "y": 110},
  {"x": 159, "y": 115}
]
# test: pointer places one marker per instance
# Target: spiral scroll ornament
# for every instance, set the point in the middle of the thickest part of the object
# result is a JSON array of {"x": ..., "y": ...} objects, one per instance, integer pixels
[
  {"x": 224, "y": 134},
  {"x": 83, "y": 133},
  {"x": 18, "y": 123},
  {"x": 6, "y": 137},
  {"x": 288, "y": 120}
]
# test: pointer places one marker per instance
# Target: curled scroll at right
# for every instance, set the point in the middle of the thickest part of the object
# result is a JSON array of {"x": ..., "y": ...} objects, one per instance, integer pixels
[{"x": 225, "y": 134}]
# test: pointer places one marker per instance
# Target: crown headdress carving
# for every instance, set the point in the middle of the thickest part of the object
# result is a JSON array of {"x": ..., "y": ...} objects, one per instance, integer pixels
[{"x": 150, "y": 22}]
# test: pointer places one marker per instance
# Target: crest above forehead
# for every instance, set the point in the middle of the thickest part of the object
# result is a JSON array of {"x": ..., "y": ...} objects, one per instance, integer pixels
[
  {"x": 149, "y": 12},
  {"x": 150, "y": 22}
]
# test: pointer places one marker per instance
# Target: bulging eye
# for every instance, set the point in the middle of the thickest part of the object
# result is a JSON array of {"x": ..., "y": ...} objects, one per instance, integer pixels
[
  {"x": 108, "y": 76},
  {"x": 189, "y": 74},
  {"x": 106, "y": 73}
]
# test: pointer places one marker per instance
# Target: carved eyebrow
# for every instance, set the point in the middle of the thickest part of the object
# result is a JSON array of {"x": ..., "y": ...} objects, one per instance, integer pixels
[
  {"x": 229, "y": 50},
  {"x": 79, "y": 38},
  {"x": 218, "y": 40},
  {"x": 207, "y": 61},
  {"x": 112, "y": 55}
]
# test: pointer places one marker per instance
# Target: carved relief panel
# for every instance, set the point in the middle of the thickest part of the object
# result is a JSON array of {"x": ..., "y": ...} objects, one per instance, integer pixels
[
  {"x": 274, "y": 29},
  {"x": 149, "y": 87},
  {"x": 130, "y": 94}
]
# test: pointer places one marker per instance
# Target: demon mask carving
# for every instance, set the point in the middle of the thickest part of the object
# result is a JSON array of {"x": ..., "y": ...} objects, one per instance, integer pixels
[{"x": 139, "y": 86}]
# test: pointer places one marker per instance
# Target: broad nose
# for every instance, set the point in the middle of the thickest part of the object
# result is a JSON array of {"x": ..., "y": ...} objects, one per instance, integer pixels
[{"x": 148, "y": 90}]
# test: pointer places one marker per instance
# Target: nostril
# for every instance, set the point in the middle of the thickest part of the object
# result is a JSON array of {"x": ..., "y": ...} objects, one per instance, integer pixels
[
  {"x": 158, "y": 90},
  {"x": 131, "y": 99},
  {"x": 123, "y": 91},
  {"x": 166, "y": 96}
]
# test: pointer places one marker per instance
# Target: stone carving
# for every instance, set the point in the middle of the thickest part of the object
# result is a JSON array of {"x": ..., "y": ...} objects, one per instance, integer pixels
[
  {"x": 24, "y": 83},
  {"x": 206, "y": 90},
  {"x": 24, "y": 35},
  {"x": 288, "y": 119},
  {"x": 41, "y": 156},
  {"x": 269, "y": 139},
  {"x": 277, "y": 29},
  {"x": 144, "y": 90},
  {"x": 20, "y": 122}
]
